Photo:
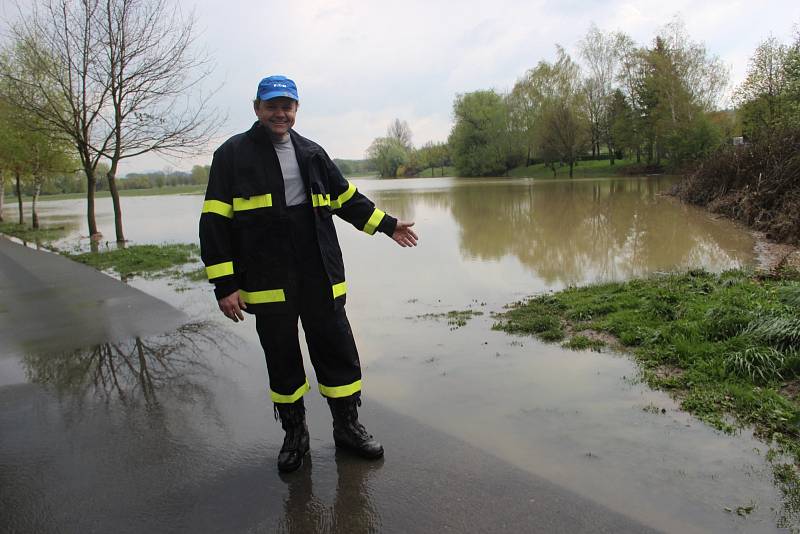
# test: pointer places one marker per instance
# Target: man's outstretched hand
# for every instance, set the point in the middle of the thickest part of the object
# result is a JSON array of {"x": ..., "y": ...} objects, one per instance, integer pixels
[
  {"x": 404, "y": 235},
  {"x": 232, "y": 306}
]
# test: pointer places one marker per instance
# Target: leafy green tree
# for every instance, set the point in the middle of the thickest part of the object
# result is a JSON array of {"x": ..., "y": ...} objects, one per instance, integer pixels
[
  {"x": 434, "y": 155},
  {"x": 388, "y": 155},
  {"x": 199, "y": 174},
  {"x": 525, "y": 110},
  {"x": 478, "y": 137},
  {"x": 769, "y": 97},
  {"x": 675, "y": 81},
  {"x": 622, "y": 134},
  {"x": 564, "y": 131}
]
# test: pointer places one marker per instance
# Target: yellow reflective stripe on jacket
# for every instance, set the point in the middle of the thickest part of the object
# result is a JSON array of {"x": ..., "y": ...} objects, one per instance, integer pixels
[
  {"x": 218, "y": 207},
  {"x": 374, "y": 221},
  {"x": 263, "y": 297},
  {"x": 339, "y": 289},
  {"x": 220, "y": 269},
  {"x": 288, "y": 399},
  {"x": 344, "y": 197},
  {"x": 318, "y": 200},
  {"x": 336, "y": 392},
  {"x": 259, "y": 201}
]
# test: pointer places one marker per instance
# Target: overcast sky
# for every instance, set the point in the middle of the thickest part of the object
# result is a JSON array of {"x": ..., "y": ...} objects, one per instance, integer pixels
[{"x": 359, "y": 64}]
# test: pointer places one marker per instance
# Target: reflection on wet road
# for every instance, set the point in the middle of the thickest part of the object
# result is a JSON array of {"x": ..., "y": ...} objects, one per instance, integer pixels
[{"x": 484, "y": 431}]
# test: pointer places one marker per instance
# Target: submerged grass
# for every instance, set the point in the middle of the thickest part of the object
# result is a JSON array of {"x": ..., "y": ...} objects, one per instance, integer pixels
[
  {"x": 147, "y": 260},
  {"x": 727, "y": 345},
  {"x": 32, "y": 235},
  {"x": 455, "y": 318}
]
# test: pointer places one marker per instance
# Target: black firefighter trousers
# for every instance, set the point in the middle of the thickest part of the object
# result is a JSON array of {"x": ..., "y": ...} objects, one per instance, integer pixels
[{"x": 329, "y": 338}]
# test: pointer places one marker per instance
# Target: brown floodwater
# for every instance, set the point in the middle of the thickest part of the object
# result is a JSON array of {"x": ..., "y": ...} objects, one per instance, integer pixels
[{"x": 579, "y": 419}]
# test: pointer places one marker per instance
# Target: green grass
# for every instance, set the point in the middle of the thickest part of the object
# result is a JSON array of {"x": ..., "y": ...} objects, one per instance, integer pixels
[
  {"x": 437, "y": 172},
  {"x": 147, "y": 260},
  {"x": 26, "y": 233},
  {"x": 583, "y": 169},
  {"x": 727, "y": 345},
  {"x": 581, "y": 342}
]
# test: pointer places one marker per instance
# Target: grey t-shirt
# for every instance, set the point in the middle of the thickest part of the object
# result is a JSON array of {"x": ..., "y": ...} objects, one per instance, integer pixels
[{"x": 292, "y": 179}]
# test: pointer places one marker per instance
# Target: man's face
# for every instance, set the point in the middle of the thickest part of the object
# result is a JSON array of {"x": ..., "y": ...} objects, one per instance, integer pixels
[{"x": 277, "y": 115}]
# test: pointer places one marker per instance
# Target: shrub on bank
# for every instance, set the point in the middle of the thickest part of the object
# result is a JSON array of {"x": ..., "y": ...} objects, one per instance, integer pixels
[{"x": 757, "y": 183}]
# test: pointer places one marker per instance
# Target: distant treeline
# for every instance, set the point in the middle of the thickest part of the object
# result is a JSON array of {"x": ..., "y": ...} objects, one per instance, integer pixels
[
  {"x": 356, "y": 167},
  {"x": 655, "y": 103},
  {"x": 76, "y": 182}
]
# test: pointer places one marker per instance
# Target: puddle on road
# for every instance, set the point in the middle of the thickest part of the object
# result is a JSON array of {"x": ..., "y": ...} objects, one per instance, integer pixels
[{"x": 580, "y": 419}]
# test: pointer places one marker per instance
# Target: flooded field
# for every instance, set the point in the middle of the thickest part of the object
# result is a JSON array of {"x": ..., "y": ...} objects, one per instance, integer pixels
[{"x": 580, "y": 420}]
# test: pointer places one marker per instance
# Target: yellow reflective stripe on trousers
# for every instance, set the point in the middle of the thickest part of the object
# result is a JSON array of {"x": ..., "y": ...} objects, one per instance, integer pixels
[
  {"x": 344, "y": 197},
  {"x": 262, "y": 297},
  {"x": 218, "y": 207},
  {"x": 339, "y": 289},
  {"x": 260, "y": 201},
  {"x": 318, "y": 200},
  {"x": 220, "y": 269},
  {"x": 335, "y": 392},
  {"x": 374, "y": 221},
  {"x": 288, "y": 399}
]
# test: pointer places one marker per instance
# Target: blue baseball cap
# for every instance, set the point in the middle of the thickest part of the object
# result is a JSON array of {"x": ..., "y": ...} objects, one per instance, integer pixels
[{"x": 275, "y": 86}]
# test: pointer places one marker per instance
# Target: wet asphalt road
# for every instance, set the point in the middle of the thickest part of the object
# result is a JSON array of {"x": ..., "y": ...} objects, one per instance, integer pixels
[
  {"x": 80, "y": 462},
  {"x": 50, "y": 303}
]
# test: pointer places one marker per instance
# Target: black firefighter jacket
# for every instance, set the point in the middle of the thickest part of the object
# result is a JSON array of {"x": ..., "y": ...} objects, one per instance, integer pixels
[{"x": 243, "y": 234}]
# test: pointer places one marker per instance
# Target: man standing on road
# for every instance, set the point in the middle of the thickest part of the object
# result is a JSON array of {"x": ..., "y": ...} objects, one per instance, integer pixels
[{"x": 269, "y": 245}]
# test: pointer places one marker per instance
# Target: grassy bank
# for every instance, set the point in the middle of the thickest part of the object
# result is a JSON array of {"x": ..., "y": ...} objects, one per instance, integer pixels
[
  {"x": 727, "y": 346},
  {"x": 755, "y": 183},
  {"x": 583, "y": 169}
]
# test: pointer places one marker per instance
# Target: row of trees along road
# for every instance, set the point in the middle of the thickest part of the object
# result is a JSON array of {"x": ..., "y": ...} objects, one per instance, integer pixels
[
  {"x": 112, "y": 79},
  {"x": 655, "y": 103}
]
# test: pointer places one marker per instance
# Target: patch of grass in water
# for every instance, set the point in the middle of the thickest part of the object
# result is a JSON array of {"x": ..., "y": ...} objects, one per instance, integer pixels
[
  {"x": 26, "y": 233},
  {"x": 196, "y": 275},
  {"x": 455, "y": 318},
  {"x": 145, "y": 260}
]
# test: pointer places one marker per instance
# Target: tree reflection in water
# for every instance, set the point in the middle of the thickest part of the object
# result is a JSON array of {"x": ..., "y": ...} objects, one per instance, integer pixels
[{"x": 133, "y": 370}]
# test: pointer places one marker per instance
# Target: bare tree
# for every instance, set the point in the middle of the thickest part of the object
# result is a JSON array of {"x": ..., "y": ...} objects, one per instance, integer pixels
[
  {"x": 119, "y": 78},
  {"x": 153, "y": 74},
  {"x": 400, "y": 130},
  {"x": 601, "y": 53}
]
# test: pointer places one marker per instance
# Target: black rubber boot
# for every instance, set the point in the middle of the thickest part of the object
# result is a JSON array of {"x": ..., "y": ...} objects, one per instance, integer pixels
[
  {"x": 295, "y": 443},
  {"x": 348, "y": 433}
]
